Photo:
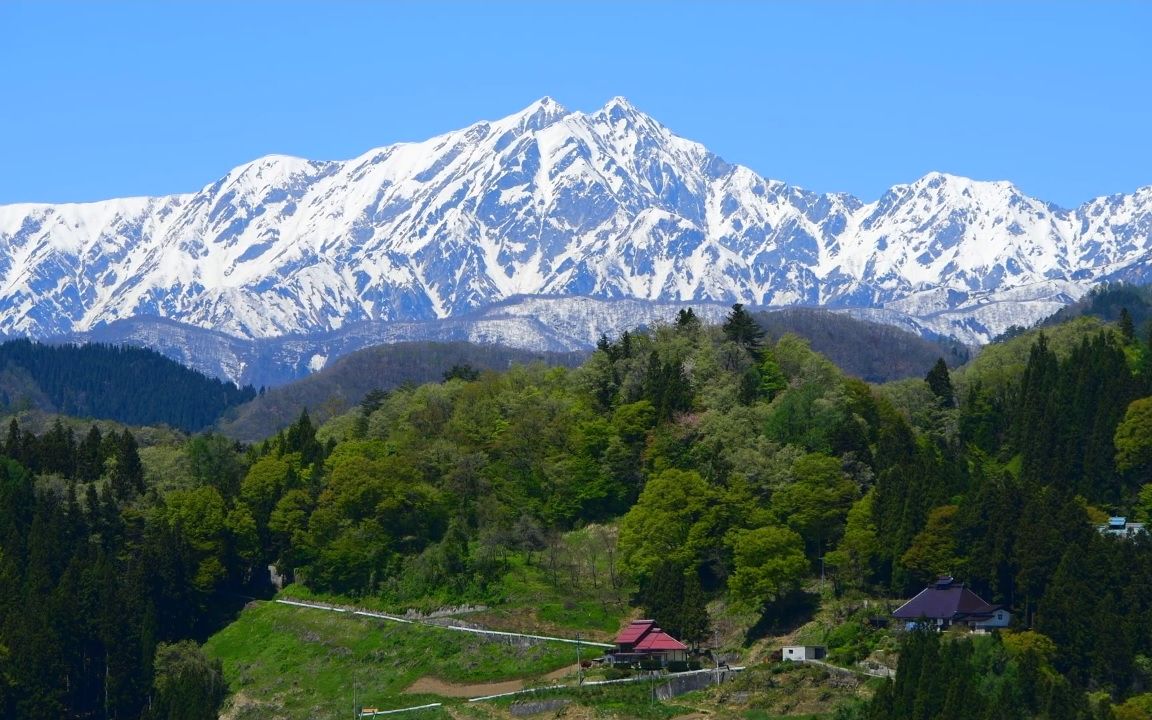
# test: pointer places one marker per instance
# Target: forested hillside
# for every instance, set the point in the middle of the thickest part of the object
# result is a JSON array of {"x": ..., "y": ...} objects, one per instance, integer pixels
[
  {"x": 873, "y": 352},
  {"x": 126, "y": 384},
  {"x": 867, "y": 350},
  {"x": 732, "y": 470},
  {"x": 345, "y": 382},
  {"x": 1114, "y": 302}
]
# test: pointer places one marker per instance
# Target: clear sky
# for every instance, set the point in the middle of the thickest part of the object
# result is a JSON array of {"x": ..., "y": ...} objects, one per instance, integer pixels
[{"x": 107, "y": 99}]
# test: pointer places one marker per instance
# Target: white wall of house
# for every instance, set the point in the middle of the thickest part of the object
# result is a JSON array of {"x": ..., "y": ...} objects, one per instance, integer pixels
[
  {"x": 1000, "y": 619},
  {"x": 799, "y": 652}
]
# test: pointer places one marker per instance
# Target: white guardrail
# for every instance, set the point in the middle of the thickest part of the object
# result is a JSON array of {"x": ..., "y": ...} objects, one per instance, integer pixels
[{"x": 477, "y": 631}]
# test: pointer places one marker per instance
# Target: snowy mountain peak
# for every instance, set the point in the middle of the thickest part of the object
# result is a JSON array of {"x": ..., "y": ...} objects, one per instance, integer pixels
[
  {"x": 618, "y": 111},
  {"x": 608, "y": 204},
  {"x": 621, "y": 106},
  {"x": 538, "y": 115},
  {"x": 958, "y": 186}
]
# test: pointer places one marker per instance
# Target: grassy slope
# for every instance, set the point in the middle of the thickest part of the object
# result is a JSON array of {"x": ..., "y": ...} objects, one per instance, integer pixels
[
  {"x": 287, "y": 662},
  {"x": 302, "y": 663}
]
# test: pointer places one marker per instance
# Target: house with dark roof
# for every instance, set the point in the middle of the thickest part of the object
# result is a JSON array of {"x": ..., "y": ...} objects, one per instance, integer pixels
[
  {"x": 946, "y": 603},
  {"x": 643, "y": 640}
]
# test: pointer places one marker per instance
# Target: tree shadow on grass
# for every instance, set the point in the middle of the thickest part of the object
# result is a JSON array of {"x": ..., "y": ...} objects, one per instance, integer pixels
[{"x": 784, "y": 615}]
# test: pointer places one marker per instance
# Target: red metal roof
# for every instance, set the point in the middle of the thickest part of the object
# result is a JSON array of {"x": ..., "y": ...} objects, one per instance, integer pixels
[
  {"x": 657, "y": 641},
  {"x": 634, "y": 631}
]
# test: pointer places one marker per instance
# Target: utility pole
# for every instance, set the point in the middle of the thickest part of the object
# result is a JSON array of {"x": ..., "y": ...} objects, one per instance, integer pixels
[{"x": 579, "y": 662}]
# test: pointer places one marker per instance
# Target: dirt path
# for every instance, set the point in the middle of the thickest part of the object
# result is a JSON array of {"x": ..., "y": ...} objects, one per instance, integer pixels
[{"x": 436, "y": 686}]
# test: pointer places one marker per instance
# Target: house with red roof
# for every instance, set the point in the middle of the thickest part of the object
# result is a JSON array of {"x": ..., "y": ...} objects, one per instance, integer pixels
[
  {"x": 946, "y": 603},
  {"x": 643, "y": 640}
]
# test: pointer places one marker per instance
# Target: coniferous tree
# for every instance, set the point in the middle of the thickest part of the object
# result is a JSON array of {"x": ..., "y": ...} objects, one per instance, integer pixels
[
  {"x": 741, "y": 328},
  {"x": 58, "y": 451},
  {"x": 460, "y": 371},
  {"x": 90, "y": 457},
  {"x": 1127, "y": 329},
  {"x": 694, "y": 623},
  {"x": 686, "y": 318},
  {"x": 940, "y": 383},
  {"x": 662, "y": 595},
  {"x": 301, "y": 438},
  {"x": 13, "y": 443},
  {"x": 127, "y": 477},
  {"x": 1039, "y": 418}
]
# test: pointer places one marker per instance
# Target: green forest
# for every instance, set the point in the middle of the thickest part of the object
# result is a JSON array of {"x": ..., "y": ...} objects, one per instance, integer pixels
[
  {"x": 131, "y": 385},
  {"x": 724, "y": 465}
]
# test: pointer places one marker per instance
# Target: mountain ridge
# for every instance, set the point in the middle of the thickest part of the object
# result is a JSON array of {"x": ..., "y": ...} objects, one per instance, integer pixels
[{"x": 608, "y": 204}]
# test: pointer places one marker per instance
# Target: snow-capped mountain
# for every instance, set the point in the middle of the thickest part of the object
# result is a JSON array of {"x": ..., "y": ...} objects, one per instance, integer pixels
[{"x": 607, "y": 205}]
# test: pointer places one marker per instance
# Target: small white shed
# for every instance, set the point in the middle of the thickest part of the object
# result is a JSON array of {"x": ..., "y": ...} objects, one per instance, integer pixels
[
  {"x": 1000, "y": 618},
  {"x": 803, "y": 652}
]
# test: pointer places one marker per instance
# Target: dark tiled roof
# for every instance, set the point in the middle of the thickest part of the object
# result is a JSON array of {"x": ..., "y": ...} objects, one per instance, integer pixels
[{"x": 944, "y": 601}]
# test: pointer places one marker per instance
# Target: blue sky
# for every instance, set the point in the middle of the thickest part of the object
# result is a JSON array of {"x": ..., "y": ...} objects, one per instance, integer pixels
[{"x": 110, "y": 99}]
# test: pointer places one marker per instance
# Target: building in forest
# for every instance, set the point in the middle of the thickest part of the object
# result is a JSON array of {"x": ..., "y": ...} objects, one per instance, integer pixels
[
  {"x": 946, "y": 603},
  {"x": 643, "y": 640},
  {"x": 1120, "y": 527}
]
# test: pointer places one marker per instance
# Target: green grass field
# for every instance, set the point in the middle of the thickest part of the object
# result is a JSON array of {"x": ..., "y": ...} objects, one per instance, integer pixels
[
  {"x": 293, "y": 663},
  {"x": 296, "y": 662}
]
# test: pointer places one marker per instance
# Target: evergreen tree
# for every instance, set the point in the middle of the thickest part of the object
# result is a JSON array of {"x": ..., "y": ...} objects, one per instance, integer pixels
[
  {"x": 1039, "y": 424},
  {"x": 90, "y": 457},
  {"x": 13, "y": 443},
  {"x": 301, "y": 438},
  {"x": 1127, "y": 329},
  {"x": 58, "y": 451},
  {"x": 127, "y": 477},
  {"x": 741, "y": 328},
  {"x": 686, "y": 319},
  {"x": 661, "y": 594},
  {"x": 694, "y": 623},
  {"x": 940, "y": 383},
  {"x": 464, "y": 372}
]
